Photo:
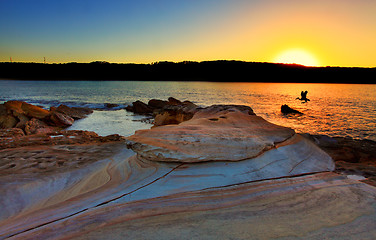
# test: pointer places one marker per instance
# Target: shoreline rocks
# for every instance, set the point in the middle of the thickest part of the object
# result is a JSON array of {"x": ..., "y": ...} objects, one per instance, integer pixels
[
  {"x": 188, "y": 180},
  {"x": 35, "y": 120},
  {"x": 164, "y": 112},
  {"x": 351, "y": 156}
]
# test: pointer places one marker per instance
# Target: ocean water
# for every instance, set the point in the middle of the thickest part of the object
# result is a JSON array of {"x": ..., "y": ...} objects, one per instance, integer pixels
[{"x": 347, "y": 110}]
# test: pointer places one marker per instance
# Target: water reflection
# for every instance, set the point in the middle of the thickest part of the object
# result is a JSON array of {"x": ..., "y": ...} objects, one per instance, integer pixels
[{"x": 334, "y": 109}]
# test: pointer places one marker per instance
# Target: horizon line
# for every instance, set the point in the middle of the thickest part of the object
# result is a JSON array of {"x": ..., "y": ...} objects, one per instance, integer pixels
[{"x": 184, "y": 61}]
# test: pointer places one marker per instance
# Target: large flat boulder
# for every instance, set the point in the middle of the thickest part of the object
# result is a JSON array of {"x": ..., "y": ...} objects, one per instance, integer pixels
[{"x": 218, "y": 133}]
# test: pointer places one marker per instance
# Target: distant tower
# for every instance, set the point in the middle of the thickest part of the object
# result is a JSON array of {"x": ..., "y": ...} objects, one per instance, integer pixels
[
  {"x": 44, "y": 60},
  {"x": 11, "y": 59}
]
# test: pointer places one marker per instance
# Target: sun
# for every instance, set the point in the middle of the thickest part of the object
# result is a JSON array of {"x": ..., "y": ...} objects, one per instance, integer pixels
[{"x": 297, "y": 56}]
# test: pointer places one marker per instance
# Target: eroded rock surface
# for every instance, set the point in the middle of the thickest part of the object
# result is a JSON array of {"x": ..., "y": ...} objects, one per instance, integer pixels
[
  {"x": 217, "y": 133},
  {"x": 224, "y": 174}
]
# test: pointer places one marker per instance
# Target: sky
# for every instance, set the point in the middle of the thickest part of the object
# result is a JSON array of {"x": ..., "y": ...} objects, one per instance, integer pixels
[{"x": 326, "y": 32}]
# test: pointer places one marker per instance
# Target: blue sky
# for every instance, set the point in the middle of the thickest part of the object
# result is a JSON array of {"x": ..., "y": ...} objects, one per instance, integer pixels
[{"x": 147, "y": 31}]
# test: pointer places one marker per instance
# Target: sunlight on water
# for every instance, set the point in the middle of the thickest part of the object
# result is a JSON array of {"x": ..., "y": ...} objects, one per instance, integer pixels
[
  {"x": 104, "y": 122},
  {"x": 334, "y": 109}
]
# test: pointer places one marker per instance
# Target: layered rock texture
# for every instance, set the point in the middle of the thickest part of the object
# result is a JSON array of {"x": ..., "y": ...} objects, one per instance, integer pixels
[
  {"x": 36, "y": 120},
  {"x": 224, "y": 174}
]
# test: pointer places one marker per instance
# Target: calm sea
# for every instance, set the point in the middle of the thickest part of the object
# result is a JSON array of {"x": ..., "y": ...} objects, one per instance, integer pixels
[{"x": 334, "y": 109}]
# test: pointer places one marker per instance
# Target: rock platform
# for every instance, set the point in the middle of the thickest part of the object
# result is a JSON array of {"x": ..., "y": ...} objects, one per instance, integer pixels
[{"x": 169, "y": 182}]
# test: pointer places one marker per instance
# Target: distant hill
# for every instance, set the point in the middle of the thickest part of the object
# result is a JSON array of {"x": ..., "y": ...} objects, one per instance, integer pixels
[{"x": 221, "y": 71}]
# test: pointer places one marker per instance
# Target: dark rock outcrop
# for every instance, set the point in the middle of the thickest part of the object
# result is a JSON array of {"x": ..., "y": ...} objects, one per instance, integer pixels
[
  {"x": 351, "y": 156},
  {"x": 111, "y": 105},
  {"x": 174, "y": 101},
  {"x": 61, "y": 120},
  {"x": 141, "y": 108},
  {"x": 73, "y": 112},
  {"x": 172, "y": 111},
  {"x": 36, "y": 120},
  {"x": 7, "y": 121},
  {"x": 285, "y": 109},
  {"x": 157, "y": 104},
  {"x": 175, "y": 114}
]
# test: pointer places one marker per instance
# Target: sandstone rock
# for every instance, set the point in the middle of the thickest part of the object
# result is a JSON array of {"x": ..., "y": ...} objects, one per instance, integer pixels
[
  {"x": 171, "y": 117},
  {"x": 214, "y": 109},
  {"x": 13, "y": 106},
  {"x": 11, "y": 133},
  {"x": 15, "y": 137},
  {"x": 174, "y": 114},
  {"x": 217, "y": 133},
  {"x": 36, "y": 126},
  {"x": 19, "y": 107},
  {"x": 34, "y": 111},
  {"x": 73, "y": 112},
  {"x": 7, "y": 121},
  {"x": 255, "y": 180},
  {"x": 105, "y": 191},
  {"x": 22, "y": 120},
  {"x": 61, "y": 120}
]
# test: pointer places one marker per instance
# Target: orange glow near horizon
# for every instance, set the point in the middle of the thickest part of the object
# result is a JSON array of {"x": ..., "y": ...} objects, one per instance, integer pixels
[
  {"x": 297, "y": 56},
  {"x": 327, "y": 33}
]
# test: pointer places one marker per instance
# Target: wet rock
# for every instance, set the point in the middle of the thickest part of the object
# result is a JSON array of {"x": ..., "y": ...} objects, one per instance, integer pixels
[
  {"x": 351, "y": 156},
  {"x": 73, "y": 112},
  {"x": 7, "y": 121},
  {"x": 13, "y": 106},
  {"x": 157, "y": 104},
  {"x": 141, "y": 108},
  {"x": 174, "y": 101},
  {"x": 29, "y": 110},
  {"x": 129, "y": 108},
  {"x": 285, "y": 109},
  {"x": 34, "y": 111},
  {"x": 61, "y": 120},
  {"x": 111, "y": 105}
]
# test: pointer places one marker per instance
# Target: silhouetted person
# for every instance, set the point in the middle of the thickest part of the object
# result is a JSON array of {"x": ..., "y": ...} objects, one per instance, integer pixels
[{"x": 303, "y": 95}]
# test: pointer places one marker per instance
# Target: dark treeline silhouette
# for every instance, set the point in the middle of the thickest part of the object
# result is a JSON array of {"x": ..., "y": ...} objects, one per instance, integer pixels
[{"x": 221, "y": 71}]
